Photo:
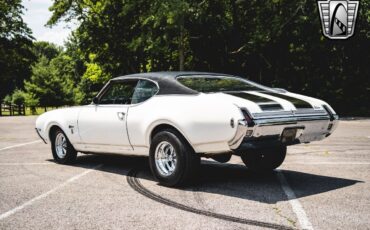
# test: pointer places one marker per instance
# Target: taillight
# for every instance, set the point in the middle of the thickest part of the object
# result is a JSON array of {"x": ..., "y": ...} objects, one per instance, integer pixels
[{"x": 247, "y": 118}]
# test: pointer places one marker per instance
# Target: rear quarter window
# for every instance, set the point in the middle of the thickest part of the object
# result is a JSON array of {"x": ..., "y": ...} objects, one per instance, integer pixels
[{"x": 144, "y": 90}]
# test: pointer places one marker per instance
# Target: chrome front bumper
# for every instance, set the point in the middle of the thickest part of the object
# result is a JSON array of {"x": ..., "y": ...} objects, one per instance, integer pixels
[{"x": 265, "y": 131}]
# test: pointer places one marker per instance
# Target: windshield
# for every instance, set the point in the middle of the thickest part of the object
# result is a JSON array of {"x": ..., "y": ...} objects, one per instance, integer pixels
[{"x": 210, "y": 84}]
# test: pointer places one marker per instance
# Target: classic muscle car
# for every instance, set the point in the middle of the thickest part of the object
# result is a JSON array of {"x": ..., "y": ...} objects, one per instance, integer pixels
[{"x": 176, "y": 118}]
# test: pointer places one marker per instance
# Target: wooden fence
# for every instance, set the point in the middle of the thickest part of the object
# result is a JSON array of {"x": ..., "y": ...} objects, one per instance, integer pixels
[
  {"x": 22, "y": 110},
  {"x": 12, "y": 110}
]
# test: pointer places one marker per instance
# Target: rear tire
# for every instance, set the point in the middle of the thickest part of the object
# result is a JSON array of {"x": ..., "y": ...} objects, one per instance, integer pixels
[
  {"x": 172, "y": 160},
  {"x": 264, "y": 160},
  {"x": 62, "y": 149}
]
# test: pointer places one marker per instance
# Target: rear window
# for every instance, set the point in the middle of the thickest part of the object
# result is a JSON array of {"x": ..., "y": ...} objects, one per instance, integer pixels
[{"x": 210, "y": 84}]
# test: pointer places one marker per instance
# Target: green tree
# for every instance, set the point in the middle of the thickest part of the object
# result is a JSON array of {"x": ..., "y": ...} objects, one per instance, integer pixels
[
  {"x": 73, "y": 51},
  {"x": 123, "y": 42},
  {"x": 47, "y": 49},
  {"x": 18, "y": 97},
  {"x": 15, "y": 47},
  {"x": 92, "y": 81},
  {"x": 48, "y": 85},
  {"x": 31, "y": 101},
  {"x": 277, "y": 43},
  {"x": 7, "y": 100}
]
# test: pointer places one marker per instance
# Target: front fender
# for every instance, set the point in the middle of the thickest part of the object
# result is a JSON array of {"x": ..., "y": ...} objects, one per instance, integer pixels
[{"x": 65, "y": 119}]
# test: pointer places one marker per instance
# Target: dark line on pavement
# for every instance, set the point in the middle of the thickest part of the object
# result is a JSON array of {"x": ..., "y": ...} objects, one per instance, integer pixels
[{"x": 135, "y": 184}]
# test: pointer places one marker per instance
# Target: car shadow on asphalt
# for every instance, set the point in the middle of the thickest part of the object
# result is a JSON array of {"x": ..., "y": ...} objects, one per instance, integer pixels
[{"x": 226, "y": 179}]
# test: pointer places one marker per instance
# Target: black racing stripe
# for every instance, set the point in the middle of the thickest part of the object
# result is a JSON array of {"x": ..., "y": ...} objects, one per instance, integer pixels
[
  {"x": 270, "y": 107},
  {"x": 251, "y": 97},
  {"x": 298, "y": 103},
  {"x": 264, "y": 103}
]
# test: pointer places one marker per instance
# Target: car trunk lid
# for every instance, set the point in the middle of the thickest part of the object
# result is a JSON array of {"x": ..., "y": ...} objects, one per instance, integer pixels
[{"x": 272, "y": 104}]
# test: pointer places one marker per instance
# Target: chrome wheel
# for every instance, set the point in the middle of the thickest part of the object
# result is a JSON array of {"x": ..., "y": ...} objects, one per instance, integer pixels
[
  {"x": 61, "y": 145},
  {"x": 165, "y": 158}
]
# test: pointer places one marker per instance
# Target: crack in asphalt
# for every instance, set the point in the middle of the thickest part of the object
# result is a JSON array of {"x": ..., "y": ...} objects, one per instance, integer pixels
[
  {"x": 278, "y": 212},
  {"x": 135, "y": 184}
]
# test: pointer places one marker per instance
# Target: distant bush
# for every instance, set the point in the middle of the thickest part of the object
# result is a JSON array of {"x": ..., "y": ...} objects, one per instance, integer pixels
[
  {"x": 18, "y": 97},
  {"x": 7, "y": 100}
]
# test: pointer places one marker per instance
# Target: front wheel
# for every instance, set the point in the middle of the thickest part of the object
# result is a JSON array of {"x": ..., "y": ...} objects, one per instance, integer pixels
[
  {"x": 172, "y": 161},
  {"x": 63, "y": 151},
  {"x": 264, "y": 159}
]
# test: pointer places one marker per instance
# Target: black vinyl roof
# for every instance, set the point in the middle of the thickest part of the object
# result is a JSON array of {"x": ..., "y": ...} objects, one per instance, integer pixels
[
  {"x": 167, "y": 81},
  {"x": 169, "y": 74}
]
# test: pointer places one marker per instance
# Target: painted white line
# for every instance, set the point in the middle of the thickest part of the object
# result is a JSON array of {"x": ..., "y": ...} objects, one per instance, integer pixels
[
  {"x": 328, "y": 163},
  {"x": 21, "y": 164},
  {"x": 15, "y": 146},
  {"x": 294, "y": 202},
  {"x": 33, "y": 200}
]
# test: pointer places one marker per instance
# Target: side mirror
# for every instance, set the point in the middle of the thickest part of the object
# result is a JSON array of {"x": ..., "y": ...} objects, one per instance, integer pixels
[{"x": 95, "y": 100}]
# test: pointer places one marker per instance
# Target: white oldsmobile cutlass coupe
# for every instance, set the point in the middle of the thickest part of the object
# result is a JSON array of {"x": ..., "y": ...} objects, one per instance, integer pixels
[{"x": 178, "y": 117}]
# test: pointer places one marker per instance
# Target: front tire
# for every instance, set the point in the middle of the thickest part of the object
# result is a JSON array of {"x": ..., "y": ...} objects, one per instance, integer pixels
[
  {"x": 172, "y": 160},
  {"x": 264, "y": 160},
  {"x": 62, "y": 149}
]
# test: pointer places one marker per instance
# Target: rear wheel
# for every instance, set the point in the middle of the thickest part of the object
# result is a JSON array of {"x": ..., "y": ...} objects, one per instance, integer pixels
[
  {"x": 264, "y": 159},
  {"x": 62, "y": 149},
  {"x": 172, "y": 161}
]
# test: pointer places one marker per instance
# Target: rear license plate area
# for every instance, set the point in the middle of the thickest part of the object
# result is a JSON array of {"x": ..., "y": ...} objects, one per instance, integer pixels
[{"x": 289, "y": 135}]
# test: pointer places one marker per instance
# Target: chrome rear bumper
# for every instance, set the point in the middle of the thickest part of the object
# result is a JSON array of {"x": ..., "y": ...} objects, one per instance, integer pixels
[{"x": 265, "y": 131}]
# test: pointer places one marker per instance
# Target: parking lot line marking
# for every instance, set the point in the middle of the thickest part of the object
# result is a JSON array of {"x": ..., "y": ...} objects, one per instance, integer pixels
[
  {"x": 19, "y": 145},
  {"x": 294, "y": 202},
  {"x": 36, "y": 163},
  {"x": 33, "y": 200}
]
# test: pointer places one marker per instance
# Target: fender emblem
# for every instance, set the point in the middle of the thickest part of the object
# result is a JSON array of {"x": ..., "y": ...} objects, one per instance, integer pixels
[{"x": 71, "y": 127}]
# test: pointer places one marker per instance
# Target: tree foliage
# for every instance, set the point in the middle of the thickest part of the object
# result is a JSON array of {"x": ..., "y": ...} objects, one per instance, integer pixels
[
  {"x": 47, "y": 49},
  {"x": 18, "y": 97},
  {"x": 16, "y": 54},
  {"x": 48, "y": 85},
  {"x": 277, "y": 43}
]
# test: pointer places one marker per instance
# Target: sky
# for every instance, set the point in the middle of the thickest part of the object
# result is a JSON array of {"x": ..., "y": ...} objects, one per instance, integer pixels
[{"x": 36, "y": 14}]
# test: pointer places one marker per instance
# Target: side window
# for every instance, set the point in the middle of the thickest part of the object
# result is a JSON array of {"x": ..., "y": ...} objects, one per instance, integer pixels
[
  {"x": 144, "y": 90},
  {"x": 119, "y": 92}
]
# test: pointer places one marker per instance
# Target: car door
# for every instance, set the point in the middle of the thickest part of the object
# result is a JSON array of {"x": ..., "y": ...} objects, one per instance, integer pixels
[{"x": 102, "y": 126}]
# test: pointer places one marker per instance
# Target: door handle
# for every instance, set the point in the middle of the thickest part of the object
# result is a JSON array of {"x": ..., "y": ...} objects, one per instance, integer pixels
[{"x": 121, "y": 115}]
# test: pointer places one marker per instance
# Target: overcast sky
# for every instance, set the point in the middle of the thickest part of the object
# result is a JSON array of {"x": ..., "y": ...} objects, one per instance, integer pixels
[{"x": 36, "y": 15}]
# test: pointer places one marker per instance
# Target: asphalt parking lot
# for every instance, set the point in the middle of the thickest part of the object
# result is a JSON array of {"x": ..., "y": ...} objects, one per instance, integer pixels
[{"x": 323, "y": 185}]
